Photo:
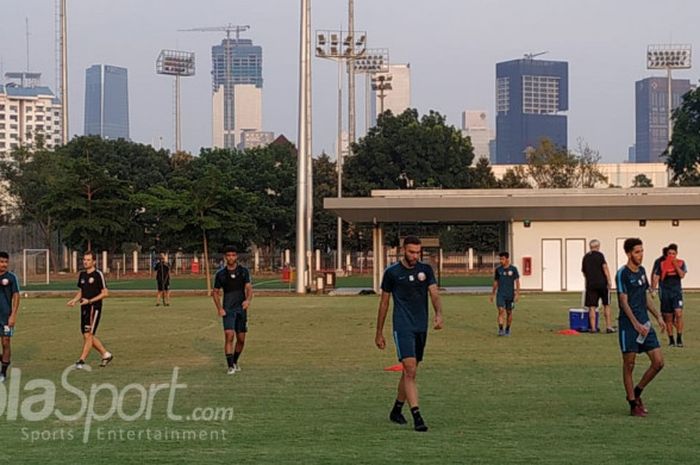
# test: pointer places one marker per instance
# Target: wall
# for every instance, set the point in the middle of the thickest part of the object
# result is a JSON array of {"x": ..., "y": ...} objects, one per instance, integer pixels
[{"x": 656, "y": 234}]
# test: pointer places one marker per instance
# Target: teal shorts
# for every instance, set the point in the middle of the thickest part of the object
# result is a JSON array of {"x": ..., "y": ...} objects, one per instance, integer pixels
[{"x": 236, "y": 320}]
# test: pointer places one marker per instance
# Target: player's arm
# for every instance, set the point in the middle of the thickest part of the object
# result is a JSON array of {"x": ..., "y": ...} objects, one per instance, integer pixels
[
  {"x": 517, "y": 289},
  {"x": 381, "y": 318},
  {"x": 437, "y": 305},
  {"x": 78, "y": 296},
  {"x": 15, "y": 308},
  {"x": 606, "y": 271},
  {"x": 248, "y": 295},
  {"x": 655, "y": 278},
  {"x": 104, "y": 292},
  {"x": 216, "y": 295},
  {"x": 652, "y": 310},
  {"x": 680, "y": 269},
  {"x": 494, "y": 288}
]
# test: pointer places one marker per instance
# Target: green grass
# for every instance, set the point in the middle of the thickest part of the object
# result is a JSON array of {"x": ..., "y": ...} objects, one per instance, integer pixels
[
  {"x": 260, "y": 282},
  {"x": 313, "y": 390}
]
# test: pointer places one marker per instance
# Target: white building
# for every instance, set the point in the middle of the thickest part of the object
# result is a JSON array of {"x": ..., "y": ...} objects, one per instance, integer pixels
[
  {"x": 546, "y": 231},
  {"x": 27, "y": 114},
  {"x": 247, "y": 113},
  {"x": 398, "y": 99},
  {"x": 475, "y": 125},
  {"x": 618, "y": 174}
]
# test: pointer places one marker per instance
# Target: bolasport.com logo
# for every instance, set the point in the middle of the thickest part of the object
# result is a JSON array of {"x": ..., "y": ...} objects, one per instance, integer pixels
[{"x": 90, "y": 409}]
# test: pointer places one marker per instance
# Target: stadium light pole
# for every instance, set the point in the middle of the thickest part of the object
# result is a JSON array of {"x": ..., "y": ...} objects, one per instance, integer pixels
[
  {"x": 63, "y": 39},
  {"x": 179, "y": 64},
  {"x": 304, "y": 133},
  {"x": 341, "y": 46},
  {"x": 372, "y": 62},
  {"x": 381, "y": 83},
  {"x": 669, "y": 57}
]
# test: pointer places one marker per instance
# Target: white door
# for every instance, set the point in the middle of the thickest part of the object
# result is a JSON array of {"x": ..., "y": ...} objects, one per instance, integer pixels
[
  {"x": 575, "y": 249},
  {"x": 551, "y": 265}
]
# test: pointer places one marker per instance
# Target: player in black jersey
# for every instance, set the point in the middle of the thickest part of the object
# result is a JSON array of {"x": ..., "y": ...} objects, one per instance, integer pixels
[{"x": 92, "y": 291}]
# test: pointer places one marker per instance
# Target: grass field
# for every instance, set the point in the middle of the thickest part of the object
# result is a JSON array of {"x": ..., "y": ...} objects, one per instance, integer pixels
[
  {"x": 67, "y": 283},
  {"x": 313, "y": 389}
]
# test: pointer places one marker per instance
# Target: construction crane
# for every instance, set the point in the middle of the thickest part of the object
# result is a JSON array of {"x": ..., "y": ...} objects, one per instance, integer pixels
[
  {"x": 532, "y": 56},
  {"x": 228, "y": 79}
]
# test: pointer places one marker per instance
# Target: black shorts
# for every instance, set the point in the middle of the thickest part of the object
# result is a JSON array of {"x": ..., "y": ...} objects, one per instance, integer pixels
[
  {"x": 410, "y": 344},
  {"x": 90, "y": 318},
  {"x": 163, "y": 285},
  {"x": 671, "y": 299},
  {"x": 596, "y": 295},
  {"x": 236, "y": 320}
]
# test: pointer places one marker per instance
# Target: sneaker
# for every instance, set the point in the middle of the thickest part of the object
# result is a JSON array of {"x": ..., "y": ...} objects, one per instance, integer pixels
[
  {"x": 236, "y": 367},
  {"x": 105, "y": 361},
  {"x": 501, "y": 332},
  {"x": 679, "y": 344},
  {"x": 419, "y": 425},
  {"x": 397, "y": 417},
  {"x": 80, "y": 364},
  {"x": 640, "y": 404},
  {"x": 638, "y": 411},
  {"x": 672, "y": 344},
  {"x": 231, "y": 370},
  {"x": 157, "y": 304},
  {"x": 610, "y": 330},
  {"x": 2, "y": 380},
  {"x": 507, "y": 333}
]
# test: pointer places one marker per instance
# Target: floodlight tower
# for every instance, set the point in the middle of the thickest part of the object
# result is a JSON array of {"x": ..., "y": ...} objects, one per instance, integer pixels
[
  {"x": 179, "y": 64},
  {"x": 669, "y": 57},
  {"x": 229, "y": 133},
  {"x": 373, "y": 61},
  {"x": 341, "y": 46},
  {"x": 382, "y": 83},
  {"x": 63, "y": 45}
]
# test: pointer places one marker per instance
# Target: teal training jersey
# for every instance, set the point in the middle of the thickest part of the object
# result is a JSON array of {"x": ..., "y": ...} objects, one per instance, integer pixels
[
  {"x": 506, "y": 277},
  {"x": 409, "y": 288}
]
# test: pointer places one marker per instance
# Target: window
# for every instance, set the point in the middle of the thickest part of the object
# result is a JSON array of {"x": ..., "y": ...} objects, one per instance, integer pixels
[
  {"x": 502, "y": 95},
  {"x": 540, "y": 95}
]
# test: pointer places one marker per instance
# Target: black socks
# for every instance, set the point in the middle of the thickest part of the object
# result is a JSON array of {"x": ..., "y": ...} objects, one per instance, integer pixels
[
  {"x": 235, "y": 356},
  {"x": 230, "y": 360},
  {"x": 5, "y": 366}
]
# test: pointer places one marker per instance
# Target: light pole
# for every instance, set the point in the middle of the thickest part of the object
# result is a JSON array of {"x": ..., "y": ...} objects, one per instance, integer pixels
[
  {"x": 381, "y": 83},
  {"x": 63, "y": 40},
  {"x": 373, "y": 61},
  {"x": 176, "y": 63},
  {"x": 669, "y": 57},
  {"x": 304, "y": 135},
  {"x": 341, "y": 46}
]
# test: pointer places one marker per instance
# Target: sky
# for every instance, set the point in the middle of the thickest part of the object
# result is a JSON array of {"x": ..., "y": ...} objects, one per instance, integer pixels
[{"x": 451, "y": 45}]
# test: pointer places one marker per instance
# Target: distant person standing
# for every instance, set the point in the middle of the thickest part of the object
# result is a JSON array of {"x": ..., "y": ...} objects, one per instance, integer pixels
[
  {"x": 656, "y": 270},
  {"x": 671, "y": 271},
  {"x": 237, "y": 287},
  {"x": 636, "y": 332},
  {"x": 162, "y": 269},
  {"x": 506, "y": 291},
  {"x": 598, "y": 285},
  {"x": 92, "y": 290},
  {"x": 409, "y": 282},
  {"x": 9, "y": 306}
]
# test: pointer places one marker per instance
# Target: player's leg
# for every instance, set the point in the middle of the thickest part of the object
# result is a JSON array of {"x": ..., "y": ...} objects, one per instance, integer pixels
[
  {"x": 509, "y": 316},
  {"x": 628, "y": 359},
  {"x": 87, "y": 346},
  {"x": 6, "y": 354},
  {"x": 678, "y": 319},
  {"x": 605, "y": 300},
  {"x": 159, "y": 294},
  {"x": 657, "y": 363},
  {"x": 501, "y": 319},
  {"x": 668, "y": 320},
  {"x": 238, "y": 349},
  {"x": 229, "y": 335},
  {"x": 166, "y": 293}
]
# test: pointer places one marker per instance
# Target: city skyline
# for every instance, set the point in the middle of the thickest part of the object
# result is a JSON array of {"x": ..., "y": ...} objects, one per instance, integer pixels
[
  {"x": 107, "y": 102},
  {"x": 452, "y": 47}
]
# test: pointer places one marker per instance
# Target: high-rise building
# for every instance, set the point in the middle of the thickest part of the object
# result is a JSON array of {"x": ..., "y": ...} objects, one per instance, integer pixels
[
  {"x": 651, "y": 108},
  {"x": 255, "y": 139},
  {"x": 245, "y": 61},
  {"x": 107, "y": 102},
  {"x": 530, "y": 97},
  {"x": 28, "y": 114},
  {"x": 398, "y": 98},
  {"x": 475, "y": 125}
]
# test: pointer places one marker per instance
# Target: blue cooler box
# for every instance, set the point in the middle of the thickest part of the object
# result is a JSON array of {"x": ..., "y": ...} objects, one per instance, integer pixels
[{"x": 578, "y": 319}]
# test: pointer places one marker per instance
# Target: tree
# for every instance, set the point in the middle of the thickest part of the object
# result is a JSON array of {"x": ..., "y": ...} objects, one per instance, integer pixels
[
  {"x": 515, "y": 178},
  {"x": 641, "y": 180},
  {"x": 31, "y": 179},
  {"x": 325, "y": 185},
  {"x": 404, "y": 149},
  {"x": 482, "y": 175},
  {"x": 549, "y": 166},
  {"x": 683, "y": 153}
]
